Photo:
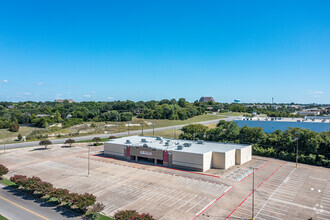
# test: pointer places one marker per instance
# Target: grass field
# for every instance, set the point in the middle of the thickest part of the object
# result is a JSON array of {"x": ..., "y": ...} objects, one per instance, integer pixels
[
  {"x": 7, "y": 136},
  {"x": 7, "y": 182},
  {"x": 233, "y": 113},
  {"x": 88, "y": 128}
]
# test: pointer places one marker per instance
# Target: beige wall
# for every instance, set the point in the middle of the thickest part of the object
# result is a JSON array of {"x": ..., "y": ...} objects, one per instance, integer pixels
[
  {"x": 207, "y": 161},
  {"x": 243, "y": 155},
  {"x": 114, "y": 149},
  {"x": 223, "y": 160},
  {"x": 230, "y": 158},
  {"x": 187, "y": 159},
  {"x": 218, "y": 160}
]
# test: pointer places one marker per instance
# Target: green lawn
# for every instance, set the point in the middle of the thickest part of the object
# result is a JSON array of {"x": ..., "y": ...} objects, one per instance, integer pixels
[
  {"x": 103, "y": 217},
  {"x": 3, "y": 218},
  {"x": 7, "y": 182},
  {"x": 8, "y": 137},
  {"x": 91, "y": 141}
]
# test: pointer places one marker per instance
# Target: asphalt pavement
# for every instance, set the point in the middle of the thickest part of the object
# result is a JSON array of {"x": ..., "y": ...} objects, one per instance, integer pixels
[
  {"x": 89, "y": 137},
  {"x": 15, "y": 205}
]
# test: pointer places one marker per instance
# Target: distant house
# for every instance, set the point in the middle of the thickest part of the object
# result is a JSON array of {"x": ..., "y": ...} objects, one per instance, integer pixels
[
  {"x": 11, "y": 106},
  {"x": 42, "y": 115},
  {"x": 69, "y": 116},
  {"x": 63, "y": 100},
  {"x": 206, "y": 99}
]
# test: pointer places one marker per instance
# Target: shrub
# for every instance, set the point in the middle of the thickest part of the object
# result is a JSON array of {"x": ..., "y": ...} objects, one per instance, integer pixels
[
  {"x": 98, "y": 207},
  {"x": 19, "y": 137},
  {"x": 3, "y": 170},
  {"x": 14, "y": 127},
  {"x": 132, "y": 215},
  {"x": 112, "y": 137}
]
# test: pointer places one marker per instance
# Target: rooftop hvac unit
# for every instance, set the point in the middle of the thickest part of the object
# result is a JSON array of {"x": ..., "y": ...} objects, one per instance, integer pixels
[
  {"x": 128, "y": 141},
  {"x": 145, "y": 145},
  {"x": 186, "y": 144},
  {"x": 176, "y": 143},
  {"x": 179, "y": 147},
  {"x": 143, "y": 140},
  {"x": 200, "y": 142},
  {"x": 167, "y": 144},
  {"x": 159, "y": 138}
]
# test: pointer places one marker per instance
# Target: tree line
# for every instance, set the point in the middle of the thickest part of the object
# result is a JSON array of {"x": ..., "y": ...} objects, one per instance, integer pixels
[
  {"x": 314, "y": 148},
  {"x": 43, "y": 114}
]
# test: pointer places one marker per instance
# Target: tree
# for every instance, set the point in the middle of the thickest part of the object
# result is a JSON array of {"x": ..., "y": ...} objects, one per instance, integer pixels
[
  {"x": 45, "y": 143},
  {"x": 3, "y": 170},
  {"x": 14, "y": 127},
  {"x": 195, "y": 131},
  {"x": 19, "y": 137},
  {"x": 96, "y": 140},
  {"x": 70, "y": 142}
]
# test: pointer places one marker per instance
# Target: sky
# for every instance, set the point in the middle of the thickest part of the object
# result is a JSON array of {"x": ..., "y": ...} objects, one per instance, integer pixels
[{"x": 152, "y": 50}]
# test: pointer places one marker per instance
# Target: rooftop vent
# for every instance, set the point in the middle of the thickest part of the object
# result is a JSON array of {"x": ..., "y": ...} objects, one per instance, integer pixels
[
  {"x": 177, "y": 143},
  {"x": 179, "y": 147},
  {"x": 168, "y": 141},
  {"x": 167, "y": 144},
  {"x": 186, "y": 144},
  {"x": 145, "y": 145},
  {"x": 143, "y": 140},
  {"x": 200, "y": 142},
  {"x": 159, "y": 138},
  {"x": 128, "y": 141}
]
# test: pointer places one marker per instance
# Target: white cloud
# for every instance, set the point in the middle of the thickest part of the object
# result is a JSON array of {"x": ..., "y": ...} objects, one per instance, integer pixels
[
  {"x": 39, "y": 83},
  {"x": 3, "y": 81},
  {"x": 93, "y": 92},
  {"x": 317, "y": 92},
  {"x": 27, "y": 93},
  {"x": 87, "y": 96},
  {"x": 110, "y": 98}
]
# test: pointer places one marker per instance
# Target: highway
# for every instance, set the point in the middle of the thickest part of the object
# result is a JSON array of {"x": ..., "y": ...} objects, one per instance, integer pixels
[
  {"x": 15, "y": 205},
  {"x": 88, "y": 137}
]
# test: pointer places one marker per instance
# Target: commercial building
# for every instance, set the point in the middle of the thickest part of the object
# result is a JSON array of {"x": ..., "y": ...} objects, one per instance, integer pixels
[
  {"x": 192, "y": 155},
  {"x": 206, "y": 99}
]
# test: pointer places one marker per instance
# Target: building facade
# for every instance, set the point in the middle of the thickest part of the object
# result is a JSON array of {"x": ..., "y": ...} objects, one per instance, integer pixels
[{"x": 192, "y": 155}]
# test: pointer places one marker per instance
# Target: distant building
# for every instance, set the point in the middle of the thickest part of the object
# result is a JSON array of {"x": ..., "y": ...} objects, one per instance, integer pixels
[
  {"x": 206, "y": 99},
  {"x": 63, "y": 100},
  {"x": 11, "y": 106},
  {"x": 42, "y": 115}
]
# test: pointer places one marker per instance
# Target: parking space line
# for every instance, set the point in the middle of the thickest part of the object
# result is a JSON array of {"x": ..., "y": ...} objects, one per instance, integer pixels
[{"x": 196, "y": 204}]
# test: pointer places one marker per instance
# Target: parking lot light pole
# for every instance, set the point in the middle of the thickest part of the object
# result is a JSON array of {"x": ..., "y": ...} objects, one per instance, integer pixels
[
  {"x": 4, "y": 150},
  {"x": 89, "y": 149},
  {"x": 253, "y": 194}
]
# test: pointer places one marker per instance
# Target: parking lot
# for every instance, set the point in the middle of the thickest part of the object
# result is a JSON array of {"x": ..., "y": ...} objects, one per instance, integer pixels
[{"x": 281, "y": 190}]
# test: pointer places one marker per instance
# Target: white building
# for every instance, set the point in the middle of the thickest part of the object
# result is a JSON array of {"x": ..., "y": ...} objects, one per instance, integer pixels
[{"x": 193, "y": 155}]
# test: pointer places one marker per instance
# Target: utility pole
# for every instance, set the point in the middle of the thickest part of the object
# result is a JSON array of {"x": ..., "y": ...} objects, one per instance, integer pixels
[
  {"x": 153, "y": 129},
  {"x": 89, "y": 149},
  {"x": 4, "y": 149},
  {"x": 117, "y": 125},
  {"x": 128, "y": 128},
  {"x": 253, "y": 194},
  {"x": 142, "y": 128}
]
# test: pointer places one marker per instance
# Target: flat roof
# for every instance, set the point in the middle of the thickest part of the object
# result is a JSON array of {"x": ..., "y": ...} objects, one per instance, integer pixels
[{"x": 198, "y": 147}]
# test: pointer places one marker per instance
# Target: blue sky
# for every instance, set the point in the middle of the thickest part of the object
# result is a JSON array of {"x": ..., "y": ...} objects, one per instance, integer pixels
[{"x": 143, "y": 50}]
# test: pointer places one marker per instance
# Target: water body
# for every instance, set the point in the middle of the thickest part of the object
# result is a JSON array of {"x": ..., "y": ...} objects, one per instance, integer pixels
[{"x": 271, "y": 126}]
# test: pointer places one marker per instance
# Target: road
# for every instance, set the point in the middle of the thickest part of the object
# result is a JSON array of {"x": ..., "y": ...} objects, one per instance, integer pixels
[
  {"x": 88, "y": 137},
  {"x": 15, "y": 205}
]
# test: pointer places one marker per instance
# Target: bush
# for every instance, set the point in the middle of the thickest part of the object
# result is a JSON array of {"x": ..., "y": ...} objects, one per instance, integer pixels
[
  {"x": 3, "y": 170},
  {"x": 19, "y": 137},
  {"x": 14, "y": 127},
  {"x": 34, "y": 185},
  {"x": 132, "y": 215},
  {"x": 112, "y": 137}
]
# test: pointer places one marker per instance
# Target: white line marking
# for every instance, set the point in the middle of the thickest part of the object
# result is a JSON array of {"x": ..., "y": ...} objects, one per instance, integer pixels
[
  {"x": 196, "y": 204},
  {"x": 274, "y": 192},
  {"x": 205, "y": 207}
]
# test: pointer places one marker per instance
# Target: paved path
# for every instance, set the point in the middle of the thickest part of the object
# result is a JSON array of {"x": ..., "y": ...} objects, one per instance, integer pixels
[
  {"x": 134, "y": 132},
  {"x": 15, "y": 205}
]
